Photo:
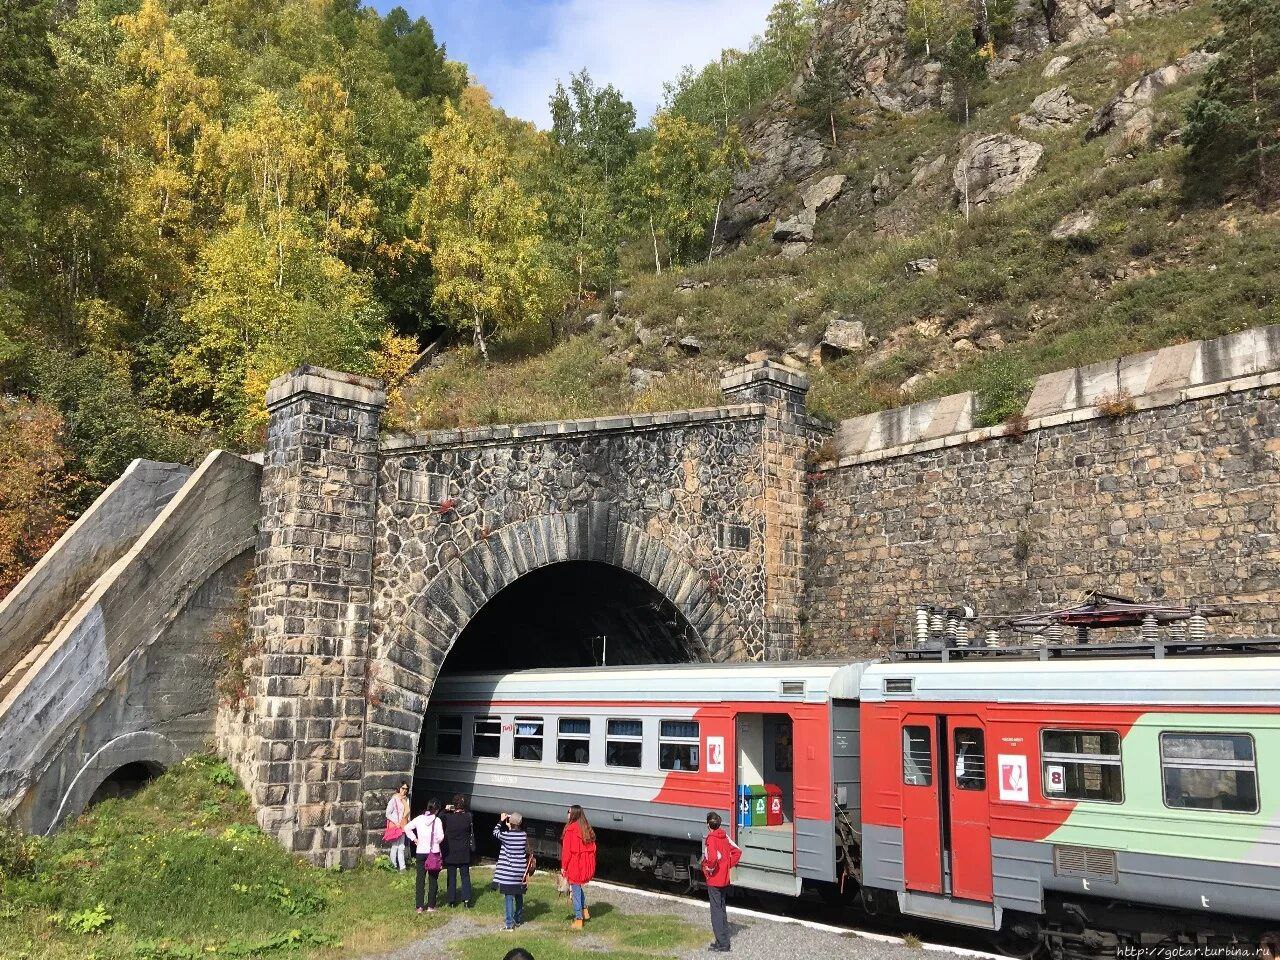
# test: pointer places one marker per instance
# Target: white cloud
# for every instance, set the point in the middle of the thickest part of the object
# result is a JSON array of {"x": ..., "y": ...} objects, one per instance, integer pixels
[{"x": 634, "y": 44}]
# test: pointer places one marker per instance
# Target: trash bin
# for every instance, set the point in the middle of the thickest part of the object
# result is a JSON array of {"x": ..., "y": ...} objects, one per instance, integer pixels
[
  {"x": 759, "y": 806},
  {"x": 744, "y": 806},
  {"x": 773, "y": 814}
]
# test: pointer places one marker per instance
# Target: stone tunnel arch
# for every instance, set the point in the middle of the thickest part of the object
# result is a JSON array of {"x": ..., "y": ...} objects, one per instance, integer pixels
[{"x": 406, "y": 663}]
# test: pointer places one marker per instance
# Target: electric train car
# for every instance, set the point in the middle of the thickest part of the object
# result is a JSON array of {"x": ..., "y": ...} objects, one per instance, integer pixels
[
  {"x": 1085, "y": 799},
  {"x": 1080, "y": 804},
  {"x": 649, "y": 750}
]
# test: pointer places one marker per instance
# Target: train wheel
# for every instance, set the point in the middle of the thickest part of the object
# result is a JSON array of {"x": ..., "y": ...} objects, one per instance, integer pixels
[{"x": 1021, "y": 938}]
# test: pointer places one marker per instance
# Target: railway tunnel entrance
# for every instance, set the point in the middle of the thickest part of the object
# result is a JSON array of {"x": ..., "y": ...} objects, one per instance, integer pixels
[{"x": 575, "y": 613}]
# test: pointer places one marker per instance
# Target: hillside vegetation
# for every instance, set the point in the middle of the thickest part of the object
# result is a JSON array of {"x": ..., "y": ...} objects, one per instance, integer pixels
[
  {"x": 198, "y": 196},
  {"x": 1161, "y": 263}
]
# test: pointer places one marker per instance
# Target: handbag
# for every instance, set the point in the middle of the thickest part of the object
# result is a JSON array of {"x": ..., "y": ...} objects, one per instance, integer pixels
[
  {"x": 392, "y": 833},
  {"x": 530, "y": 867},
  {"x": 434, "y": 863},
  {"x": 562, "y": 885}
]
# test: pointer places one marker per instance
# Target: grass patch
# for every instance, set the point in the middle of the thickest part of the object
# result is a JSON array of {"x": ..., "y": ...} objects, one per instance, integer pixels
[{"x": 180, "y": 871}]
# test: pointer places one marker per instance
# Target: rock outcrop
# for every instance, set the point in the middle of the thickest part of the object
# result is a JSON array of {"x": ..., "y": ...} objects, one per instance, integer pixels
[
  {"x": 993, "y": 167},
  {"x": 1054, "y": 109}
]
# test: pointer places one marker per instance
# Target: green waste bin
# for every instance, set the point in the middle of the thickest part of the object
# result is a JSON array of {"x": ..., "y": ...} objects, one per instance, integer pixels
[{"x": 759, "y": 806}]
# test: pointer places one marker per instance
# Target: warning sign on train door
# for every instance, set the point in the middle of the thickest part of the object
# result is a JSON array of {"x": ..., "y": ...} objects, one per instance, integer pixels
[
  {"x": 1013, "y": 777},
  {"x": 715, "y": 754}
]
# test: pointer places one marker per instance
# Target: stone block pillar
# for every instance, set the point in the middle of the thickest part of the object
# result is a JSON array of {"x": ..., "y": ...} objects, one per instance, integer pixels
[
  {"x": 787, "y": 434},
  {"x": 311, "y": 609}
]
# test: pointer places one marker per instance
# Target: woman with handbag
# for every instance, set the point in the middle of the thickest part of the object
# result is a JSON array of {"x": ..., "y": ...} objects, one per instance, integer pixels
[
  {"x": 397, "y": 817},
  {"x": 511, "y": 875},
  {"x": 459, "y": 845},
  {"x": 578, "y": 861},
  {"x": 427, "y": 833}
]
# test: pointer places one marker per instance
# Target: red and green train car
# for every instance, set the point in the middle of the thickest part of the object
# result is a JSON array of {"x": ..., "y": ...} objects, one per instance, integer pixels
[{"x": 1073, "y": 805}]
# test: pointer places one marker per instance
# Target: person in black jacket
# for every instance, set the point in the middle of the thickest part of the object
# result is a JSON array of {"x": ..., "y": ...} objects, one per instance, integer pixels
[{"x": 460, "y": 844}]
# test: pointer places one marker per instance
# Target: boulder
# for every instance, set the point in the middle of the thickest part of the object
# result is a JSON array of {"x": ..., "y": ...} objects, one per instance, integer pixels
[
  {"x": 843, "y": 335},
  {"x": 993, "y": 167},
  {"x": 1135, "y": 134},
  {"x": 1055, "y": 67},
  {"x": 1197, "y": 61},
  {"x": 797, "y": 229},
  {"x": 646, "y": 336},
  {"x": 641, "y": 379},
  {"x": 1131, "y": 99},
  {"x": 818, "y": 196},
  {"x": 793, "y": 250},
  {"x": 881, "y": 186},
  {"x": 593, "y": 319},
  {"x": 913, "y": 381},
  {"x": 690, "y": 344},
  {"x": 1074, "y": 225},
  {"x": 927, "y": 172},
  {"x": 923, "y": 265},
  {"x": 1010, "y": 59},
  {"x": 1053, "y": 110}
]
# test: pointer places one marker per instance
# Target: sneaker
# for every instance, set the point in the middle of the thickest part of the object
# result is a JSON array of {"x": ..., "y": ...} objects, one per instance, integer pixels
[
  {"x": 509, "y": 929},
  {"x": 471, "y": 904},
  {"x": 419, "y": 910},
  {"x": 577, "y": 924},
  {"x": 431, "y": 909}
]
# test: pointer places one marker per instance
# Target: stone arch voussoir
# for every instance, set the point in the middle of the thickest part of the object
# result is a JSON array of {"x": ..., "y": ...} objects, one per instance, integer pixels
[{"x": 401, "y": 681}]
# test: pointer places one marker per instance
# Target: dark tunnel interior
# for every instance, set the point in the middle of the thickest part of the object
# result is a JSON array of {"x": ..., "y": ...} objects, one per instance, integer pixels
[{"x": 575, "y": 614}]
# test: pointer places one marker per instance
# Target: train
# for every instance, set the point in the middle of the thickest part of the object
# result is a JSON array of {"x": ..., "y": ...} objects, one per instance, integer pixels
[{"x": 1069, "y": 806}]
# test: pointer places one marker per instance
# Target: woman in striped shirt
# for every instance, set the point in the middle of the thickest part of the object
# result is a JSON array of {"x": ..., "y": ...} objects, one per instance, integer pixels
[{"x": 511, "y": 876}]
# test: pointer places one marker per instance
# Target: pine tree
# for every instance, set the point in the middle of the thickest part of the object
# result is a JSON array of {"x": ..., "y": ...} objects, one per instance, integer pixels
[
  {"x": 822, "y": 89},
  {"x": 1233, "y": 127}
]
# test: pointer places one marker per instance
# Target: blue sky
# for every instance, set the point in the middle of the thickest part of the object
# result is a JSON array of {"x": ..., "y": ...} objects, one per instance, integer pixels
[{"x": 519, "y": 48}]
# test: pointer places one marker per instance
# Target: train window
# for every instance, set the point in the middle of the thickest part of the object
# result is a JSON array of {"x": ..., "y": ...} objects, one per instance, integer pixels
[
  {"x": 917, "y": 756},
  {"x": 1081, "y": 765},
  {"x": 624, "y": 743},
  {"x": 678, "y": 745},
  {"x": 1209, "y": 771},
  {"x": 528, "y": 739},
  {"x": 449, "y": 736},
  {"x": 971, "y": 759},
  {"x": 574, "y": 742},
  {"x": 486, "y": 737}
]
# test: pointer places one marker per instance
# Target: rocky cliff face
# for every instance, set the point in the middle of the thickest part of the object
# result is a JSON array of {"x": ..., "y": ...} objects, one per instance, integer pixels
[{"x": 789, "y": 150}]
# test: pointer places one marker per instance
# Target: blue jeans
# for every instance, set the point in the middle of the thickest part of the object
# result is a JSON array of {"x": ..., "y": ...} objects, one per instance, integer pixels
[
  {"x": 515, "y": 910},
  {"x": 579, "y": 899}
]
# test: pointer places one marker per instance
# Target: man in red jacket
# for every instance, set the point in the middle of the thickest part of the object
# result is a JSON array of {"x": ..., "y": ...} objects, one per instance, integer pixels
[{"x": 719, "y": 856}]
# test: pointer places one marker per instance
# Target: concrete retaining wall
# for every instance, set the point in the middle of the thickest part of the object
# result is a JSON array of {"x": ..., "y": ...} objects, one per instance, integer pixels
[
  {"x": 134, "y": 657},
  {"x": 95, "y": 541}
]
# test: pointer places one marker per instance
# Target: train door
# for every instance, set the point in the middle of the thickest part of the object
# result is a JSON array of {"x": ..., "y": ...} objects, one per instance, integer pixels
[
  {"x": 946, "y": 830},
  {"x": 970, "y": 827},
  {"x": 921, "y": 820}
]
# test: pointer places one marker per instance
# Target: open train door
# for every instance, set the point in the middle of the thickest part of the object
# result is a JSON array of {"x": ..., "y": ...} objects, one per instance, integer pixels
[
  {"x": 969, "y": 809},
  {"x": 921, "y": 805}
]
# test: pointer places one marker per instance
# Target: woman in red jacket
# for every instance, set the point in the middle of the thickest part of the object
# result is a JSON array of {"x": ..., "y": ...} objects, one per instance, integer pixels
[{"x": 578, "y": 861}]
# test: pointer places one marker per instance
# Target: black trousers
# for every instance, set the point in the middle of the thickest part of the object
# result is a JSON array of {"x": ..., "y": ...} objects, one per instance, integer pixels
[
  {"x": 434, "y": 887},
  {"x": 451, "y": 872},
  {"x": 719, "y": 915}
]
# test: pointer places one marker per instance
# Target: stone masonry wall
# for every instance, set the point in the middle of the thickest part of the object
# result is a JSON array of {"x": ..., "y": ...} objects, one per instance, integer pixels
[
  {"x": 1175, "y": 502},
  {"x": 310, "y": 612},
  {"x": 788, "y": 434}
]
